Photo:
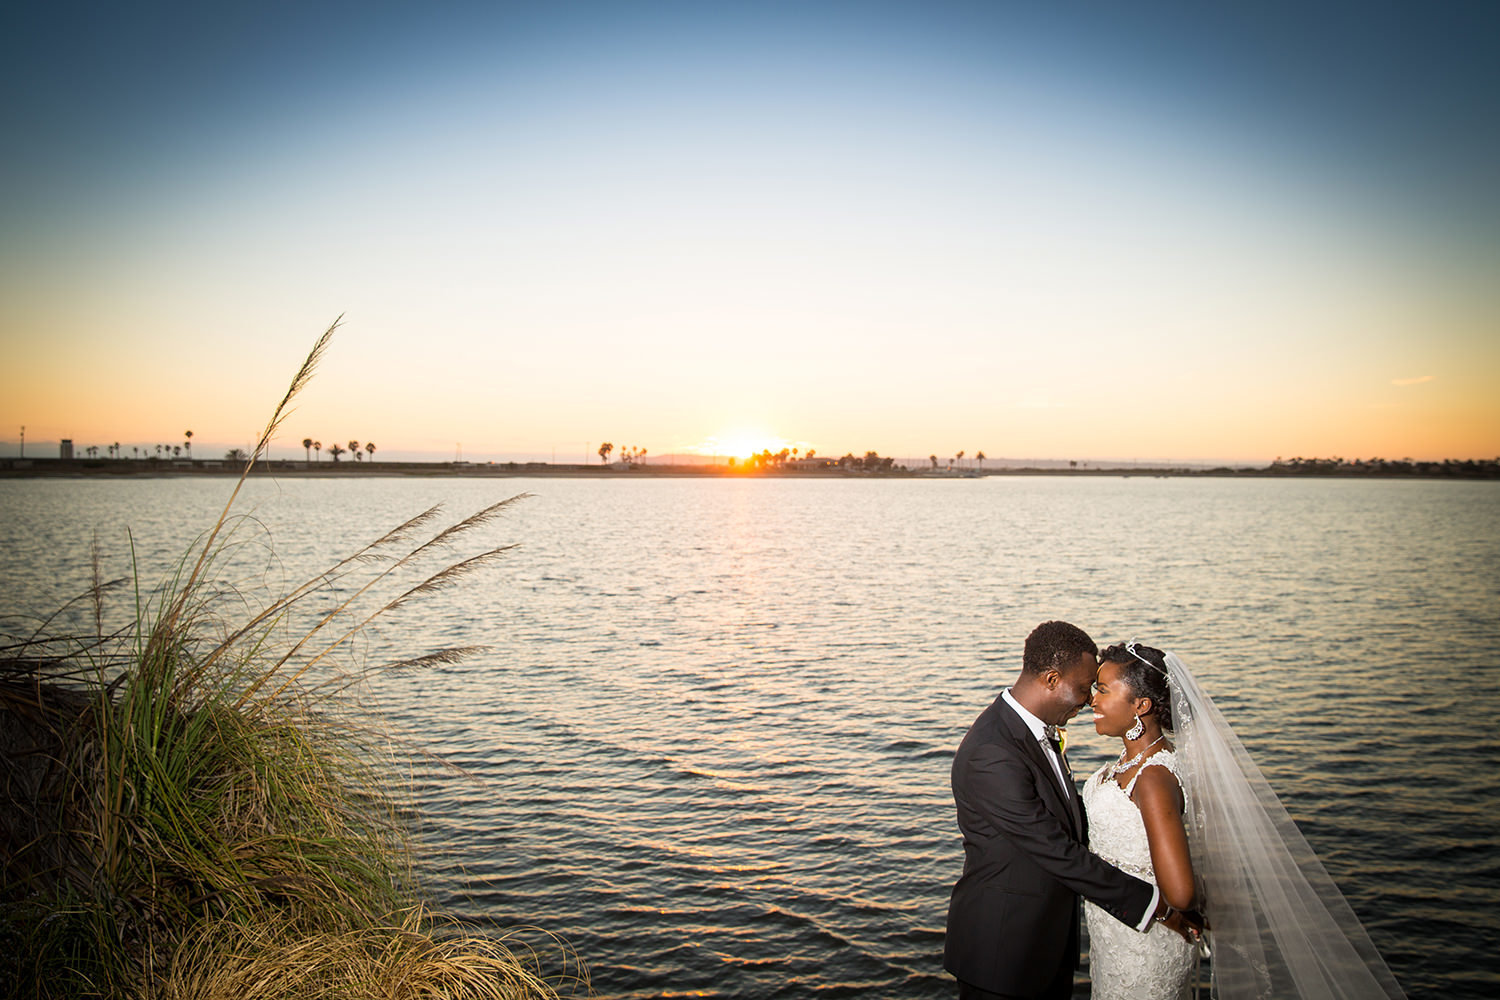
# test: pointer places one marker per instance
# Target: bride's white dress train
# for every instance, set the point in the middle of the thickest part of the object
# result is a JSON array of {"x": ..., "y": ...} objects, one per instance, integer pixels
[{"x": 1125, "y": 964}]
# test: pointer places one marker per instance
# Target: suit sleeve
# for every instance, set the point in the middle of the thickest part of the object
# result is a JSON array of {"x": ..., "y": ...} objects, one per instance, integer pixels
[{"x": 1005, "y": 798}]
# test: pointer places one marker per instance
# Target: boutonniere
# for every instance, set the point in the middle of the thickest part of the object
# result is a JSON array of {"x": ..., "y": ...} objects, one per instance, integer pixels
[{"x": 1062, "y": 738}]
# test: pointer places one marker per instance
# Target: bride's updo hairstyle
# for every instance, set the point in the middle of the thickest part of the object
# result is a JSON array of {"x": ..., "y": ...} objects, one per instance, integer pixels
[{"x": 1144, "y": 669}]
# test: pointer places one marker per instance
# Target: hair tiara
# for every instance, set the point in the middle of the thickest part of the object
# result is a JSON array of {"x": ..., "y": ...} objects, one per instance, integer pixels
[{"x": 1130, "y": 648}]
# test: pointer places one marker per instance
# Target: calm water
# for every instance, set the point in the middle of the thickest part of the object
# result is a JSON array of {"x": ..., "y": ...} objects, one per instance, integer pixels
[{"x": 709, "y": 745}]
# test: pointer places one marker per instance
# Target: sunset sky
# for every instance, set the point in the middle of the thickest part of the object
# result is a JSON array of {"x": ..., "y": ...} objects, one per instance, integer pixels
[{"x": 1084, "y": 230}]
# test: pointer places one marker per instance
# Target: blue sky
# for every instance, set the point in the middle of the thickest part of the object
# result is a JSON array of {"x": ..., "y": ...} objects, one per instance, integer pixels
[{"x": 1123, "y": 230}]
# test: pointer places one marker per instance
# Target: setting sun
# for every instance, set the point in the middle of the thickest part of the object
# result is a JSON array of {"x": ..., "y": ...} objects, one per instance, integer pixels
[{"x": 741, "y": 444}]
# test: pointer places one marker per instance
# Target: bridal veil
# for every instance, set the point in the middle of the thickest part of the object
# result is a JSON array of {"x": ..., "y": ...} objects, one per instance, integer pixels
[{"x": 1279, "y": 927}]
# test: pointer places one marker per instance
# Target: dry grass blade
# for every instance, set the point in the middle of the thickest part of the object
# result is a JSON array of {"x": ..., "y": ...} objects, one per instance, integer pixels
[
  {"x": 436, "y": 658},
  {"x": 39, "y": 632},
  {"x": 443, "y": 578},
  {"x": 448, "y": 577},
  {"x": 432, "y": 583},
  {"x": 96, "y": 584},
  {"x": 439, "y": 657},
  {"x": 299, "y": 381},
  {"x": 400, "y": 532},
  {"x": 334, "y": 572},
  {"x": 473, "y": 521}
]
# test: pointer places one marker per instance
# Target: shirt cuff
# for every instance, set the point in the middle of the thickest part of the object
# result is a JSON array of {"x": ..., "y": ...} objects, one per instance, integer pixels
[{"x": 1145, "y": 923}]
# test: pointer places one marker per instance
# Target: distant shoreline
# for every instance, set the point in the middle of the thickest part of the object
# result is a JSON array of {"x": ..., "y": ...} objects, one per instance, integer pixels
[{"x": 32, "y": 468}]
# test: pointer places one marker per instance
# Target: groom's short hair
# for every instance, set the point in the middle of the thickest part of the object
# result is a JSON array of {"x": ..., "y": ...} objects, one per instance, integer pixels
[{"x": 1054, "y": 645}]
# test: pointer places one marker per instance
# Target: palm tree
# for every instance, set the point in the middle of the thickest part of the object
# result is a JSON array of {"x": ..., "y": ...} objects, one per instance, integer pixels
[
  {"x": 307, "y": 448},
  {"x": 980, "y": 456},
  {"x": 960, "y": 457},
  {"x": 933, "y": 460},
  {"x": 335, "y": 451},
  {"x": 354, "y": 449},
  {"x": 177, "y": 451},
  {"x": 318, "y": 447},
  {"x": 188, "y": 444},
  {"x": 604, "y": 450},
  {"x": 370, "y": 449}
]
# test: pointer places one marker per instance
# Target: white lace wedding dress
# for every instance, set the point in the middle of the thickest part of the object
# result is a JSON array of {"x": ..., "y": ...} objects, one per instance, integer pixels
[{"x": 1125, "y": 964}]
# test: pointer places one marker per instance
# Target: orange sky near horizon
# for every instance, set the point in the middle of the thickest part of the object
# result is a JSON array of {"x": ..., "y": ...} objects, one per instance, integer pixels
[{"x": 1435, "y": 418}]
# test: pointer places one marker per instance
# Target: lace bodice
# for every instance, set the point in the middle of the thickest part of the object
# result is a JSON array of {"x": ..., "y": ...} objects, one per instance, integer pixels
[
  {"x": 1116, "y": 831},
  {"x": 1125, "y": 964}
]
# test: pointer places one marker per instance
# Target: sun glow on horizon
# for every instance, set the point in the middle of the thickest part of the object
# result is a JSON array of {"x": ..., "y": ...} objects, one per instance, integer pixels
[{"x": 742, "y": 443}]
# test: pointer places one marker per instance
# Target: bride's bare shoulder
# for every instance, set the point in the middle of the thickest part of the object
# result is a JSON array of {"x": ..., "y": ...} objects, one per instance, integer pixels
[{"x": 1157, "y": 784}]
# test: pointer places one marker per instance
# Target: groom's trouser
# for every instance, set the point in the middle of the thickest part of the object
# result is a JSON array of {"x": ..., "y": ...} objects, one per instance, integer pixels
[{"x": 1061, "y": 988}]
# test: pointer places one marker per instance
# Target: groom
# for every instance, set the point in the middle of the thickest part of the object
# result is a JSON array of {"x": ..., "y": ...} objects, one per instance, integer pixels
[{"x": 1013, "y": 918}]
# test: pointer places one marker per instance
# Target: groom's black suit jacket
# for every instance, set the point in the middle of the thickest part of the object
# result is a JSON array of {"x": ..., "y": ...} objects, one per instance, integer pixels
[{"x": 1013, "y": 918}]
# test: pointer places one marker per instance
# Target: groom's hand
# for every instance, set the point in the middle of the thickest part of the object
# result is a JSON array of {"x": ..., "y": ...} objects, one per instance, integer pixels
[{"x": 1188, "y": 923}]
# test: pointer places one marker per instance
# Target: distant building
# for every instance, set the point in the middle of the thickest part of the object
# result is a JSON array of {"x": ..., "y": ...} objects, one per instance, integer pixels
[{"x": 65, "y": 449}]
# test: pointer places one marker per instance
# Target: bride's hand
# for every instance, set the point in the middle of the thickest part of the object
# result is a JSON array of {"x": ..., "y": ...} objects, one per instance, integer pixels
[{"x": 1188, "y": 923}]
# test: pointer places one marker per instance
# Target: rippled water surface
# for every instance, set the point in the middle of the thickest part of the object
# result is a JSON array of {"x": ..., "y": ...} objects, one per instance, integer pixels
[{"x": 709, "y": 743}]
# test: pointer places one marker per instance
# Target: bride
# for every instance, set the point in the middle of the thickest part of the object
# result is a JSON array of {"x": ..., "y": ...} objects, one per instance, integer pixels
[
  {"x": 1277, "y": 923},
  {"x": 1135, "y": 808}
]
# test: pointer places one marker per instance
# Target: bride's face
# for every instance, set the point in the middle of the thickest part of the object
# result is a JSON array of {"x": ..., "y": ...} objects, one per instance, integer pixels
[{"x": 1114, "y": 704}]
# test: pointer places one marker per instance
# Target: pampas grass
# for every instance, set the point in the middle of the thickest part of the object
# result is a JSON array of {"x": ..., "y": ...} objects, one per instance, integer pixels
[{"x": 190, "y": 806}]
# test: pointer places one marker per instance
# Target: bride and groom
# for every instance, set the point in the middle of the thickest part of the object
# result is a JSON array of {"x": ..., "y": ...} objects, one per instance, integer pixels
[{"x": 1182, "y": 823}]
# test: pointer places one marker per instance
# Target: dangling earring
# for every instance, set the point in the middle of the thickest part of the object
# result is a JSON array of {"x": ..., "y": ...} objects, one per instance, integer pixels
[{"x": 1135, "y": 731}]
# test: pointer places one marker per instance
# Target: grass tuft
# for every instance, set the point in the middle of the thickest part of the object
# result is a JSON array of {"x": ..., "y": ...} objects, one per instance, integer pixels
[
  {"x": 189, "y": 807},
  {"x": 407, "y": 959}
]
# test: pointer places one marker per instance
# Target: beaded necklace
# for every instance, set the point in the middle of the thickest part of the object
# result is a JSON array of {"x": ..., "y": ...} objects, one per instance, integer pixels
[{"x": 1122, "y": 765}]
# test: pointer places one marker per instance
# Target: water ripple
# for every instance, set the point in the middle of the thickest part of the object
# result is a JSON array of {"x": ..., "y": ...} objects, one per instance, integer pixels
[{"x": 710, "y": 743}]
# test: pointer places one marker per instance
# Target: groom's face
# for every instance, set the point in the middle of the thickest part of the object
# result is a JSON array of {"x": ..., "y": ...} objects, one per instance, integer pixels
[{"x": 1074, "y": 686}]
